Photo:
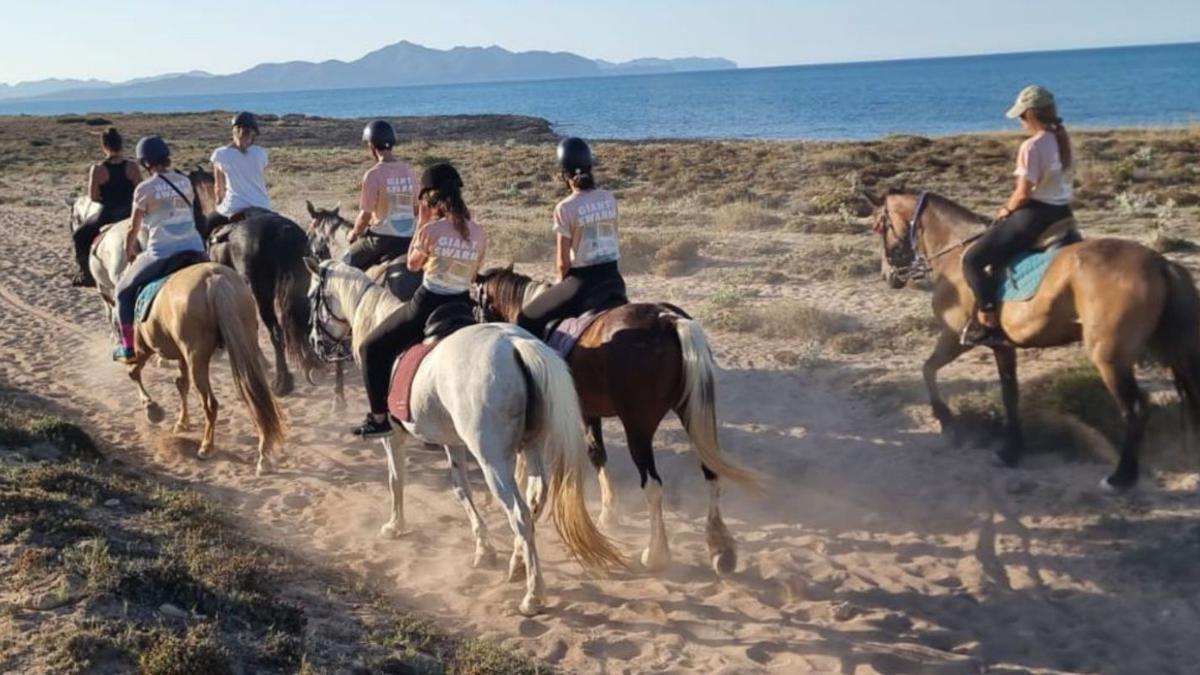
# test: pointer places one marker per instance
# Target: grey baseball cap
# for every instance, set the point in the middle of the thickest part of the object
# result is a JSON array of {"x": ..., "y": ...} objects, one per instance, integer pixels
[{"x": 1033, "y": 96}]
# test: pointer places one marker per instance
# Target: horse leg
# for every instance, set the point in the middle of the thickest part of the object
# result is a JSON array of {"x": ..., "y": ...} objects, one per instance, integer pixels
[
  {"x": 396, "y": 451},
  {"x": 722, "y": 551},
  {"x": 339, "y": 387},
  {"x": 1120, "y": 381},
  {"x": 499, "y": 475},
  {"x": 154, "y": 412},
  {"x": 1014, "y": 439},
  {"x": 182, "y": 384},
  {"x": 264, "y": 297},
  {"x": 947, "y": 349},
  {"x": 485, "y": 555},
  {"x": 199, "y": 368},
  {"x": 657, "y": 554},
  {"x": 610, "y": 519}
]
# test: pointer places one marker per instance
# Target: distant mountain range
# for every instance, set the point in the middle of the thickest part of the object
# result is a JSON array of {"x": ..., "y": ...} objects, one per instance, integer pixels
[{"x": 403, "y": 63}]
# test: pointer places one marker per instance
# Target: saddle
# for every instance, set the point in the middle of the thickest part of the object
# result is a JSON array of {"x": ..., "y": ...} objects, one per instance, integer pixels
[
  {"x": 399, "y": 280},
  {"x": 1022, "y": 277},
  {"x": 441, "y": 324},
  {"x": 1063, "y": 232},
  {"x": 220, "y": 235},
  {"x": 149, "y": 291},
  {"x": 562, "y": 334}
]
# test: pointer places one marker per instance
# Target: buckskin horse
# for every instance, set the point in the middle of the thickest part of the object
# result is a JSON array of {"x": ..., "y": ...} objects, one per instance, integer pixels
[
  {"x": 268, "y": 250},
  {"x": 1121, "y": 299},
  {"x": 199, "y": 308},
  {"x": 495, "y": 391},
  {"x": 637, "y": 362}
]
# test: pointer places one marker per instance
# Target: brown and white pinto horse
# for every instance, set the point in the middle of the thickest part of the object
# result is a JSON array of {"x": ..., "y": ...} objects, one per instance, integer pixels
[
  {"x": 1121, "y": 299},
  {"x": 638, "y": 362}
]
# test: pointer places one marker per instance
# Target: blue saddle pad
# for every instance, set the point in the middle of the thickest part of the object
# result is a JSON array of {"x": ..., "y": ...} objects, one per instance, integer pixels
[
  {"x": 1023, "y": 276},
  {"x": 145, "y": 298}
]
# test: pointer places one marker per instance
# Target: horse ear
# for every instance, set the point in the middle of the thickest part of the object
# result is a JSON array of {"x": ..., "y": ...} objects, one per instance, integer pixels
[
  {"x": 874, "y": 201},
  {"x": 509, "y": 267},
  {"x": 312, "y": 210},
  {"x": 68, "y": 201},
  {"x": 337, "y": 209},
  {"x": 313, "y": 265}
]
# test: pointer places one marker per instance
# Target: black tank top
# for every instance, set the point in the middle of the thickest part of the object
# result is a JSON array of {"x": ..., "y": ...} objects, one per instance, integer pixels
[{"x": 117, "y": 191}]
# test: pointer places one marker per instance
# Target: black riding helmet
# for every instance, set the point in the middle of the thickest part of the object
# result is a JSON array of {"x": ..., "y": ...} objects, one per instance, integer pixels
[
  {"x": 380, "y": 135},
  {"x": 246, "y": 120},
  {"x": 441, "y": 177},
  {"x": 152, "y": 151},
  {"x": 574, "y": 155}
]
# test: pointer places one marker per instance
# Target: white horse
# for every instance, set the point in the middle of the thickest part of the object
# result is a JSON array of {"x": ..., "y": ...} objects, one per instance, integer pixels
[
  {"x": 492, "y": 389},
  {"x": 107, "y": 260}
]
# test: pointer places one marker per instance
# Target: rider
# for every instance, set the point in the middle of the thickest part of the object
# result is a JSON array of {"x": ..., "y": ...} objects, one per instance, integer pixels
[
  {"x": 1042, "y": 197},
  {"x": 387, "y": 203},
  {"x": 588, "y": 246},
  {"x": 450, "y": 247},
  {"x": 163, "y": 203},
  {"x": 110, "y": 184},
  {"x": 239, "y": 167}
]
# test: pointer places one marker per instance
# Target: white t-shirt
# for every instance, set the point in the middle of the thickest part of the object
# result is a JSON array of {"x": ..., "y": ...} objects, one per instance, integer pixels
[
  {"x": 167, "y": 215},
  {"x": 589, "y": 220},
  {"x": 245, "y": 185}
]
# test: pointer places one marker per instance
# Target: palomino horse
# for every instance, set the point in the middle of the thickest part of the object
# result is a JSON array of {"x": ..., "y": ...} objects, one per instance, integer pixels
[
  {"x": 329, "y": 239},
  {"x": 198, "y": 309},
  {"x": 1124, "y": 301},
  {"x": 495, "y": 391},
  {"x": 268, "y": 250},
  {"x": 638, "y": 362}
]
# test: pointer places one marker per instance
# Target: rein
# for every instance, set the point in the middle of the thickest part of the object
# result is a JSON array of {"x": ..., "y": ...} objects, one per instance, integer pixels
[
  {"x": 330, "y": 348},
  {"x": 921, "y": 265}
]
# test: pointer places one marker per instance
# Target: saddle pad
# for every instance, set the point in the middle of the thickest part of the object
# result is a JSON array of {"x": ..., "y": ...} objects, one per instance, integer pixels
[
  {"x": 567, "y": 332},
  {"x": 145, "y": 298},
  {"x": 1023, "y": 276},
  {"x": 402, "y": 378}
]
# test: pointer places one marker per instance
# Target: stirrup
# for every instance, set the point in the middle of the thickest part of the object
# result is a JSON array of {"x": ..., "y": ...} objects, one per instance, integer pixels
[{"x": 975, "y": 334}]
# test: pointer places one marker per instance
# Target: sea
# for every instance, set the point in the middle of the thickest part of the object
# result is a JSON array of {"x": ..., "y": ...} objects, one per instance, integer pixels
[{"x": 1112, "y": 87}]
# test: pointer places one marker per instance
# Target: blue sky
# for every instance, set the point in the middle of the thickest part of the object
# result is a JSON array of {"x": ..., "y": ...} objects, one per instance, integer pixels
[{"x": 120, "y": 39}]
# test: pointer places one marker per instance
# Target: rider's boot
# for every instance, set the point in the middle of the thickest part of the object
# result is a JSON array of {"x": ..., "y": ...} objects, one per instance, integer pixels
[
  {"x": 375, "y": 426},
  {"x": 983, "y": 330},
  {"x": 125, "y": 353}
]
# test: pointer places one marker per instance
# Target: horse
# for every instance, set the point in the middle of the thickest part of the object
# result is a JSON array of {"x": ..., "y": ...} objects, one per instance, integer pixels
[
  {"x": 268, "y": 250},
  {"x": 637, "y": 362},
  {"x": 107, "y": 260},
  {"x": 199, "y": 308},
  {"x": 491, "y": 389},
  {"x": 329, "y": 239},
  {"x": 1122, "y": 300}
]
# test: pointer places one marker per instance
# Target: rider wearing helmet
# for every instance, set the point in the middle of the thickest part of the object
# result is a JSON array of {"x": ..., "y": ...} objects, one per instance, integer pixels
[
  {"x": 110, "y": 184},
  {"x": 239, "y": 168},
  {"x": 387, "y": 202},
  {"x": 163, "y": 205},
  {"x": 1041, "y": 198},
  {"x": 449, "y": 247},
  {"x": 588, "y": 245}
]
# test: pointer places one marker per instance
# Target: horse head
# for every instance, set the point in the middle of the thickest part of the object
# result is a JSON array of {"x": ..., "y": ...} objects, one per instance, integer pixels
[
  {"x": 499, "y": 293},
  {"x": 324, "y": 229},
  {"x": 891, "y": 223},
  {"x": 329, "y": 332}
]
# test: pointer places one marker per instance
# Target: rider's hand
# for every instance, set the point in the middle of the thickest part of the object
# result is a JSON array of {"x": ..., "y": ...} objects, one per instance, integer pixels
[
  {"x": 354, "y": 235},
  {"x": 1003, "y": 213},
  {"x": 130, "y": 255}
]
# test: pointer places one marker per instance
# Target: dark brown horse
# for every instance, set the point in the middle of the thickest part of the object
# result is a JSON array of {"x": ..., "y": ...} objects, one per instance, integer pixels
[
  {"x": 637, "y": 363},
  {"x": 268, "y": 250},
  {"x": 1122, "y": 300}
]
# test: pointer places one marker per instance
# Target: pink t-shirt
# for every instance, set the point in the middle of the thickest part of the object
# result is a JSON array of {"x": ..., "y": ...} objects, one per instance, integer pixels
[
  {"x": 451, "y": 262},
  {"x": 1039, "y": 162},
  {"x": 589, "y": 220},
  {"x": 389, "y": 190}
]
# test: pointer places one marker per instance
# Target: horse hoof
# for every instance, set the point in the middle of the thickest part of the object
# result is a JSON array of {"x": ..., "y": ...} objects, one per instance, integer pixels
[
  {"x": 516, "y": 572},
  {"x": 1116, "y": 487},
  {"x": 724, "y": 562},
  {"x": 530, "y": 606},
  {"x": 393, "y": 530},
  {"x": 655, "y": 561},
  {"x": 484, "y": 558},
  {"x": 339, "y": 405},
  {"x": 182, "y": 427},
  {"x": 203, "y": 452},
  {"x": 284, "y": 388},
  {"x": 1004, "y": 459},
  {"x": 154, "y": 413},
  {"x": 262, "y": 469}
]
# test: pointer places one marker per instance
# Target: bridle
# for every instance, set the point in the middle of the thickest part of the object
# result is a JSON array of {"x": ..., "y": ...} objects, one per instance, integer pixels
[
  {"x": 910, "y": 262},
  {"x": 329, "y": 348},
  {"x": 320, "y": 235}
]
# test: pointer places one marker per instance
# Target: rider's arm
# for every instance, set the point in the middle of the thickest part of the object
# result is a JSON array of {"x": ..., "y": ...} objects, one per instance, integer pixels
[
  {"x": 416, "y": 252},
  {"x": 1021, "y": 194},
  {"x": 563, "y": 257},
  {"x": 220, "y": 186},
  {"x": 134, "y": 173},
  {"x": 361, "y": 224},
  {"x": 131, "y": 239},
  {"x": 95, "y": 180}
]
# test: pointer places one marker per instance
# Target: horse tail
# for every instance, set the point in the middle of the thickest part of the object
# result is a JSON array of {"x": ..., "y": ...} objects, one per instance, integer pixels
[
  {"x": 230, "y": 303},
  {"x": 553, "y": 395},
  {"x": 697, "y": 406},
  {"x": 291, "y": 297},
  {"x": 1176, "y": 339}
]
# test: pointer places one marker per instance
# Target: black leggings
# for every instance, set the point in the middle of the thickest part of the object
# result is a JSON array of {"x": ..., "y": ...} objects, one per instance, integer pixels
[
  {"x": 371, "y": 249},
  {"x": 1002, "y": 242},
  {"x": 404, "y": 328},
  {"x": 572, "y": 296},
  {"x": 86, "y": 234}
]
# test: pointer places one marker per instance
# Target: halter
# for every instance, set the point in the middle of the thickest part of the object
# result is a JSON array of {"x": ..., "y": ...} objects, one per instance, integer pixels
[
  {"x": 919, "y": 265},
  {"x": 329, "y": 347},
  {"x": 322, "y": 237}
]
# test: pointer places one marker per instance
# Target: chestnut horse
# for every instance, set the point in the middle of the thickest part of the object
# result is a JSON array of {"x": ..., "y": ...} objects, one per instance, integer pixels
[
  {"x": 638, "y": 362},
  {"x": 1121, "y": 299},
  {"x": 198, "y": 309}
]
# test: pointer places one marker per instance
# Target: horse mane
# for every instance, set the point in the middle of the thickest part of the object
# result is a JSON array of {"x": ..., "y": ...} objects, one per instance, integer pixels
[
  {"x": 375, "y": 304},
  {"x": 947, "y": 206},
  {"x": 506, "y": 288}
]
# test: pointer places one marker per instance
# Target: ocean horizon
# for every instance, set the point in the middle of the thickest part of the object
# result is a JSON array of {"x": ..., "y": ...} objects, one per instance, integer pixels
[{"x": 1134, "y": 86}]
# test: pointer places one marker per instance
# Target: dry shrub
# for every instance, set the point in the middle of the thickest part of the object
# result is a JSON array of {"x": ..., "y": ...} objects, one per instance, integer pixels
[
  {"x": 520, "y": 243},
  {"x": 677, "y": 257},
  {"x": 743, "y": 215},
  {"x": 836, "y": 261},
  {"x": 198, "y": 652},
  {"x": 783, "y": 320}
]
